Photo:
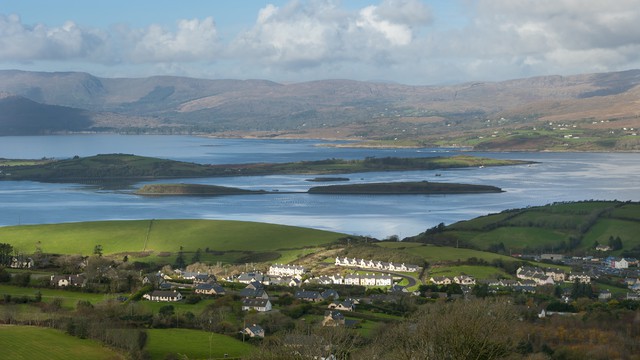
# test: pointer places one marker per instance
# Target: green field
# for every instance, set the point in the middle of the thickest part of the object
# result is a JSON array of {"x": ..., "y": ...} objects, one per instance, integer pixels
[
  {"x": 434, "y": 254},
  {"x": 69, "y": 298},
  {"x": 27, "y": 342},
  {"x": 162, "y": 236},
  {"x": 194, "y": 344},
  {"x": 478, "y": 272},
  {"x": 558, "y": 227}
]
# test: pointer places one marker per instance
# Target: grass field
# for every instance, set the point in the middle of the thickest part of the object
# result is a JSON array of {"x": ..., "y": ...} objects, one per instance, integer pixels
[
  {"x": 434, "y": 254},
  {"x": 478, "y": 272},
  {"x": 27, "y": 342},
  {"x": 194, "y": 344},
  {"x": 69, "y": 298},
  {"x": 162, "y": 236},
  {"x": 626, "y": 230}
]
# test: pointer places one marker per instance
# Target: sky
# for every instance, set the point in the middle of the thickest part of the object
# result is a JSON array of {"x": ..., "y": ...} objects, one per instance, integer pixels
[{"x": 415, "y": 42}]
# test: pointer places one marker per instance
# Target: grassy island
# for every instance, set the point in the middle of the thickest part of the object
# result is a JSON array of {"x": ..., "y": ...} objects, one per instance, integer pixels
[
  {"x": 404, "y": 188},
  {"x": 124, "y": 168},
  {"x": 193, "y": 189},
  {"x": 328, "y": 179}
]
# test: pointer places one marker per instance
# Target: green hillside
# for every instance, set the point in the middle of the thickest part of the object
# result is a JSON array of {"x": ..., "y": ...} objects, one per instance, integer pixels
[
  {"x": 29, "y": 342},
  {"x": 559, "y": 227},
  {"x": 161, "y": 236}
]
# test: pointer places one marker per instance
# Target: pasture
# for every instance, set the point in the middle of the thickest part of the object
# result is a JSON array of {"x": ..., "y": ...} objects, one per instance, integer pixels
[
  {"x": 194, "y": 344},
  {"x": 162, "y": 236},
  {"x": 28, "y": 342}
]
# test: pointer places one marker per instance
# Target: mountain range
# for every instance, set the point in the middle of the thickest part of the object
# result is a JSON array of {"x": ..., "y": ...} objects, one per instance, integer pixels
[{"x": 578, "y": 112}]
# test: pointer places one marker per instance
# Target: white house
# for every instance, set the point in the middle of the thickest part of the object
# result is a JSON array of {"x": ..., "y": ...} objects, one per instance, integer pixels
[
  {"x": 285, "y": 270},
  {"x": 464, "y": 280},
  {"x": 161, "y": 295},
  {"x": 260, "y": 305}
]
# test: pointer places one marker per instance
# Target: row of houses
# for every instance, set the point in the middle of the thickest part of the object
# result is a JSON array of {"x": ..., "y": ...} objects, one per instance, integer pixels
[
  {"x": 286, "y": 270},
  {"x": 550, "y": 276},
  {"x": 376, "y": 264},
  {"x": 460, "y": 280}
]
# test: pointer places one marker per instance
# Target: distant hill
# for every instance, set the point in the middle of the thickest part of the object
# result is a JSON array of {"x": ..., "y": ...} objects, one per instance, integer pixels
[
  {"x": 489, "y": 115},
  {"x": 21, "y": 116}
]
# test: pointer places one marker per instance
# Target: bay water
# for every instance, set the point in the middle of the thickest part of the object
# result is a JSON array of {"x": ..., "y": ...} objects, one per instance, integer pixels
[{"x": 555, "y": 177}]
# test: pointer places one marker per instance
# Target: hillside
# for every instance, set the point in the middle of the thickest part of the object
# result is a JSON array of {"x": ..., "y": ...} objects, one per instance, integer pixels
[
  {"x": 570, "y": 228},
  {"x": 543, "y": 113}
]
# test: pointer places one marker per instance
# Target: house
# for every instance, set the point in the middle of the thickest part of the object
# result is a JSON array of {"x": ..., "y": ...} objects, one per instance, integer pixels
[
  {"x": 616, "y": 263},
  {"x": 633, "y": 296},
  {"x": 254, "y": 290},
  {"x": 330, "y": 294},
  {"x": 346, "y": 305},
  {"x": 21, "y": 263},
  {"x": 285, "y": 270},
  {"x": 68, "y": 280},
  {"x": 552, "y": 257},
  {"x": 254, "y": 331},
  {"x": 580, "y": 277},
  {"x": 162, "y": 295},
  {"x": 440, "y": 280},
  {"x": 304, "y": 295},
  {"x": 333, "y": 318},
  {"x": 250, "y": 277},
  {"x": 464, "y": 280},
  {"x": 558, "y": 275},
  {"x": 398, "y": 289},
  {"x": 604, "y": 295},
  {"x": 209, "y": 289},
  {"x": 603, "y": 248},
  {"x": 260, "y": 305}
]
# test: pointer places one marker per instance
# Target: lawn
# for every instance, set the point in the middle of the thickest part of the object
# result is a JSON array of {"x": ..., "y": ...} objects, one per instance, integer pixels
[
  {"x": 162, "y": 236},
  {"x": 626, "y": 230},
  {"x": 478, "y": 272},
  {"x": 28, "y": 342},
  {"x": 517, "y": 238},
  {"x": 194, "y": 344},
  {"x": 69, "y": 298},
  {"x": 434, "y": 254}
]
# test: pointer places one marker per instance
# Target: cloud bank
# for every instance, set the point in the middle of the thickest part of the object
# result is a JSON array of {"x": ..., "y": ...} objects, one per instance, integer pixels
[{"x": 395, "y": 40}]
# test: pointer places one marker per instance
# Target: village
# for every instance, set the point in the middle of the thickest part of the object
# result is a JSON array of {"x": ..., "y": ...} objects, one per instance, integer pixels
[{"x": 363, "y": 281}]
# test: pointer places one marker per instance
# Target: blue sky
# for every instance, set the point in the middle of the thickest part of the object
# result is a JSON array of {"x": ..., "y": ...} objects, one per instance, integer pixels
[{"x": 417, "y": 42}]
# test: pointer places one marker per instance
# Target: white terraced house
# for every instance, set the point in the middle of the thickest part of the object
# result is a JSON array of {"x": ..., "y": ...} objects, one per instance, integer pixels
[
  {"x": 376, "y": 264},
  {"x": 285, "y": 270}
]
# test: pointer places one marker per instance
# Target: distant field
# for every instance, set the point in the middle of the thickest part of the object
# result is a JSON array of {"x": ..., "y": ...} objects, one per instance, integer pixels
[
  {"x": 162, "y": 236},
  {"x": 69, "y": 298},
  {"x": 626, "y": 230},
  {"x": 28, "y": 342},
  {"x": 434, "y": 254},
  {"x": 194, "y": 344},
  {"x": 478, "y": 272}
]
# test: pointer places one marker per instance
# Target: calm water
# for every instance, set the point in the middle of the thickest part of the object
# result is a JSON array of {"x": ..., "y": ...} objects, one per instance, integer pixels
[{"x": 558, "y": 177}]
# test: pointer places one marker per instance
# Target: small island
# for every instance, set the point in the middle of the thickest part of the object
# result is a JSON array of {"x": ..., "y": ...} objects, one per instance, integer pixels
[
  {"x": 404, "y": 188},
  {"x": 193, "y": 189},
  {"x": 328, "y": 179},
  {"x": 392, "y": 188}
]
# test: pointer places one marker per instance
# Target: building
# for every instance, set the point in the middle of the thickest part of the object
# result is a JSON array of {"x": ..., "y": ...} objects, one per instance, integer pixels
[
  {"x": 258, "y": 304},
  {"x": 162, "y": 295},
  {"x": 285, "y": 270}
]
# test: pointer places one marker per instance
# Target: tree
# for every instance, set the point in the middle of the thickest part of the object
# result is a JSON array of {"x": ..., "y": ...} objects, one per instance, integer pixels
[
  {"x": 476, "y": 329},
  {"x": 97, "y": 250},
  {"x": 180, "y": 263},
  {"x": 196, "y": 256},
  {"x": 5, "y": 253}
]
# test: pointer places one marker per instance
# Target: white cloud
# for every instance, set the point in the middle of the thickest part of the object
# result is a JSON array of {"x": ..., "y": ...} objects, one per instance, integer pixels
[
  {"x": 193, "y": 40},
  {"x": 399, "y": 40}
]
